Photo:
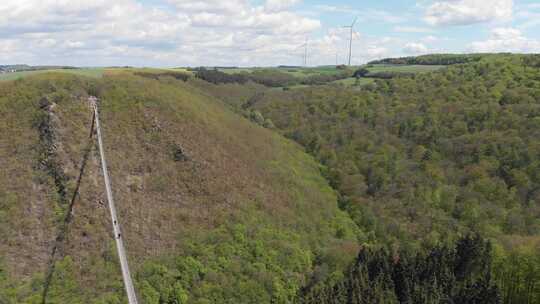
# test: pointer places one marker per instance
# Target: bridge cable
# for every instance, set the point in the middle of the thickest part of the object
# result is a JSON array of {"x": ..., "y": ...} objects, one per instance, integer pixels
[{"x": 128, "y": 283}]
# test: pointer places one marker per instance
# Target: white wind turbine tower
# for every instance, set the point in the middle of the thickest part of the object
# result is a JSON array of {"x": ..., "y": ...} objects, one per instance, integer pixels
[
  {"x": 351, "y": 27},
  {"x": 305, "y": 46},
  {"x": 296, "y": 53}
]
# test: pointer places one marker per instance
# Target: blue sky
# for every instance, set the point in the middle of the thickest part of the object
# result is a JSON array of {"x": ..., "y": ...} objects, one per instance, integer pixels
[
  {"x": 406, "y": 21},
  {"x": 257, "y": 32}
]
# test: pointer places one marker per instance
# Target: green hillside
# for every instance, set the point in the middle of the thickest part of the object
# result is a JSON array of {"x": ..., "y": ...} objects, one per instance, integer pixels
[
  {"x": 214, "y": 209},
  {"x": 454, "y": 148},
  {"x": 421, "y": 161},
  {"x": 418, "y": 188}
]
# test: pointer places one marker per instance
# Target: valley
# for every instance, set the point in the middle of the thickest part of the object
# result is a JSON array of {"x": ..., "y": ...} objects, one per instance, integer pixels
[{"x": 276, "y": 185}]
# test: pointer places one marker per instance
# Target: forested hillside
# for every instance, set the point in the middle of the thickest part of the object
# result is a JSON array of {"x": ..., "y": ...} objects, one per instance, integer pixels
[
  {"x": 420, "y": 161},
  {"x": 433, "y": 59},
  {"x": 214, "y": 209},
  {"x": 442, "y": 275}
]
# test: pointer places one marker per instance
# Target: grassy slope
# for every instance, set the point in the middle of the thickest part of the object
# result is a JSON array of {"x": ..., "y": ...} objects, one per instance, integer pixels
[
  {"x": 299, "y": 72},
  {"x": 243, "y": 220}
]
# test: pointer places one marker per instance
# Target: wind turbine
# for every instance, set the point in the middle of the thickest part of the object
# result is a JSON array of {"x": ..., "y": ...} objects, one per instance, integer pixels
[
  {"x": 305, "y": 55},
  {"x": 351, "y": 27}
]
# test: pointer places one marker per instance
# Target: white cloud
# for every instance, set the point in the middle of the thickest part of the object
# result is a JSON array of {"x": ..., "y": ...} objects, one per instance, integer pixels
[
  {"x": 464, "y": 12},
  {"x": 211, "y": 6},
  {"x": 415, "y": 48},
  {"x": 183, "y": 32},
  {"x": 364, "y": 14},
  {"x": 232, "y": 32},
  {"x": 503, "y": 33},
  {"x": 7, "y": 46},
  {"x": 507, "y": 40},
  {"x": 333, "y": 47},
  {"x": 279, "y": 5},
  {"x": 431, "y": 38},
  {"x": 412, "y": 29},
  {"x": 336, "y": 9},
  {"x": 73, "y": 44},
  {"x": 377, "y": 52}
]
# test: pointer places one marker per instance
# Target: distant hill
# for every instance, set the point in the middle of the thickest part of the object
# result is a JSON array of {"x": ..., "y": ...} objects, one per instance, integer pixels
[
  {"x": 25, "y": 67},
  {"x": 14, "y": 68},
  {"x": 433, "y": 59}
]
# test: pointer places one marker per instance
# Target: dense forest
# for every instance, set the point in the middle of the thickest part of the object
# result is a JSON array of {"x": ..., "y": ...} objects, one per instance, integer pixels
[
  {"x": 442, "y": 275},
  {"x": 432, "y": 59},
  {"x": 419, "y": 161}
]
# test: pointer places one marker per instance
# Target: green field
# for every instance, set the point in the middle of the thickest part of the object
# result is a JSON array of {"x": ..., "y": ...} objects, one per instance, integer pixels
[
  {"x": 90, "y": 72},
  {"x": 329, "y": 70},
  {"x": 322, "y": 70},
  {"x": 378, "y": 68},
  {"x": 296, "y": 72},
  {"x": 299, "y": 72}
]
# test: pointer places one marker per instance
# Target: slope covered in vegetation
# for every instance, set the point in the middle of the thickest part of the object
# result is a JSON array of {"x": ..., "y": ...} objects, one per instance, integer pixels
[
  {"x": 460, "y": 141},
  {"x": 433, "y": 59},
  {"x": 443, "y": 275},
  {"x": 420, "y": 161},
  {"x": 214, "y": 208}
]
